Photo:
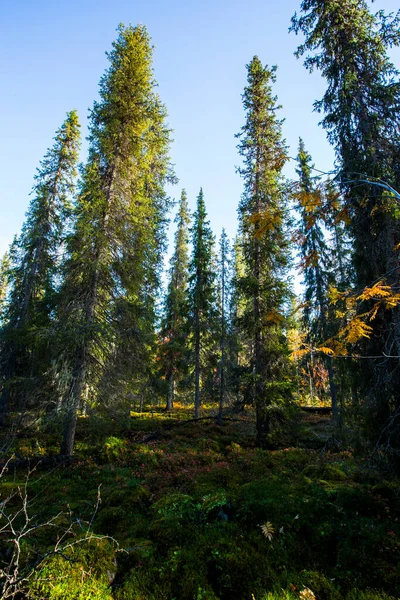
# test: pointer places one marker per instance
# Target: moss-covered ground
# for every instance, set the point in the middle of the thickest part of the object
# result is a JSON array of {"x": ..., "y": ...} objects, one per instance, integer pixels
[{"x": 199, "y": 513}]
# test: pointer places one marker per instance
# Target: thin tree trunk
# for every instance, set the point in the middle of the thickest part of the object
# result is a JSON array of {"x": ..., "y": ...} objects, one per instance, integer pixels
[
  {"x": 329, "y": 363},
  {"x": 171, "y": 390},
  {"x": 71, "y": 417},
  {"x": 197, "y": 367},
  {"x": 222, "y": 367},
  {"x": 332, "y": 388},
  {"x": 3, "y": 406}
]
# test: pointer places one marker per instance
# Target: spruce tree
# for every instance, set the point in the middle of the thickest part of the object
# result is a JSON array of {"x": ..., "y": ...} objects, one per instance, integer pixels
[
  {"x": 112, "y": 273},
  {"x": 34, "y": 263},
  {"x": 240, "y": 346},
  {"x": 175, "y": 325},
  {"x": 315, "y": 261},
  {"x": 262, "y": 213},
  {"x": 224, "y": 289},
  {"x": 361, "y": 108},
  {"x": 201, "y": 291},
  {"x": 4, "y": 268}
]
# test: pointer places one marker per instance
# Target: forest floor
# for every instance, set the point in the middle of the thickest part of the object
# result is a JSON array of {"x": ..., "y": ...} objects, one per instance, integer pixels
[{"x": 199, "y": 513}]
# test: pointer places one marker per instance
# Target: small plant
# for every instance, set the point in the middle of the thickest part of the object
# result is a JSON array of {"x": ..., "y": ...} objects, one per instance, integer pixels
[
  {"x": 268, "y": 531},
  {"x": 307, "y": 594}
]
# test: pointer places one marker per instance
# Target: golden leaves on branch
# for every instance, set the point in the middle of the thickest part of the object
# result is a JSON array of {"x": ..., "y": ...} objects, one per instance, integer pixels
[
  {"x": 274, "y": 317},
  {"x": 265, "y": 221},
  {"x": 310, "y": 201},
  {"x": 378, "y": 290},
  {"x": 356, "y": 328},
  {"x": 355, "y": 324}
]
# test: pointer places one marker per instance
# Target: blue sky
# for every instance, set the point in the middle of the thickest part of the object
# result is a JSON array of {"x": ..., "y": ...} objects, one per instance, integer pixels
[{"x": 53, "y": 54}]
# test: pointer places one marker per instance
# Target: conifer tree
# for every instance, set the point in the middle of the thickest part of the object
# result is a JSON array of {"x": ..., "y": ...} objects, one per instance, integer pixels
[
  {"x": 224, "y": 289},
  {"x": 361, "y": 107},
  {"x": 174, "y": 327},
  {"x": 340, "y": 237},
  {"x": 316, "y": 261},
  {"x": 109, "y": 293},
  {"x": 262, "y": 214},
  {"x": 34, "y": 261},
  {"x": 201, "y": 290},
  {"x": 4, "y": 268},
  {"x": 240, "y": 347}
]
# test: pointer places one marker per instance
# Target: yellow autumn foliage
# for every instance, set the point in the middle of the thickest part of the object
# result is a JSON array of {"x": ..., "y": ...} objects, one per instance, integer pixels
[
  {"x": 356, "y": 329},
  {"x": 334, "y": 295},
  {"x": 378, "y": 290},
  {"x": 274, "y": 317},
  {"x": 325, "y": 350}
]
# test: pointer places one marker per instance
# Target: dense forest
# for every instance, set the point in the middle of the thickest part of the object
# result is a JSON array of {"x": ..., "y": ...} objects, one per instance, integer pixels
[{"x": 202, "y": 432}]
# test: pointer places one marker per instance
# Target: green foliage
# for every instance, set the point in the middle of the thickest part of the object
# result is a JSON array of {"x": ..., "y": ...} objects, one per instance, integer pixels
[
  {"x": 201, "y": 297},
  {"x": 31, "y": 277},
  {"x": 111, "y": 278},
  {"x": 84, "y": 573},
  {"x": 187, "y": 512},
  {"x": 350, "y": 46},
  {"x": 368, "y": 595},
  {"x": 114, "y": 448},
  {"x": 322, "y": 587},
  {"x": 264, "y": 242},
  {"x": 174, "y": 329}
]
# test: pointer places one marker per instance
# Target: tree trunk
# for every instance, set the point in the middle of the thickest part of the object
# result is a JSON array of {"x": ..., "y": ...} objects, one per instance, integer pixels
[
  {"x": 262, "y": 418},
  {"x": 222, "y": 365},
  {"x": 332, "y": 389},
  {"x": 197, "y": 368},
  {"x": 221, "y": 393},
  {"x": 171, "y": 391},
  {"x": 82, "y": 352},
  {"x": 73, "y": 402}
]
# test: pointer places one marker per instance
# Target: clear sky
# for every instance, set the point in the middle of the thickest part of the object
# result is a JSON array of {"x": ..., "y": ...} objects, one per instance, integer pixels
[{"x": 53, "y": 54}]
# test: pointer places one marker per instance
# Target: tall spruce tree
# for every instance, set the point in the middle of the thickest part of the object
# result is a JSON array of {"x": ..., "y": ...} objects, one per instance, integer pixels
[
  {"x": 34, "y": 262},
  {"x": 361, "y": 107},
  {"x": 262, "y": 214},
  {"x": 115, "y": 249},
  {"x": 201, "y": 291},
  {"x": 175, "y": 326},
  {"x": 315, "y": 260}
]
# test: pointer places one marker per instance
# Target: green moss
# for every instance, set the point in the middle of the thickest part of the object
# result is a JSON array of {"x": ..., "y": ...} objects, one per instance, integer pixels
[
  {"x": 83, "y": 573},
  {"x": 368, "y": 595},
  {"x": 187, "y": 509}
]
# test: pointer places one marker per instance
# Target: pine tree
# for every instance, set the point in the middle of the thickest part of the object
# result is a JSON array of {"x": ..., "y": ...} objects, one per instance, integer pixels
[
  {"x": 201, "y": 290},
  {"x": 34, "y": 262},
  {"x": 109, "y": 293},
  {"x": 174, "y": 326},
  {"x": 262, "y": 214},
  {"x": 349, "y": 45},
  {"x": 316, "y": 262}
]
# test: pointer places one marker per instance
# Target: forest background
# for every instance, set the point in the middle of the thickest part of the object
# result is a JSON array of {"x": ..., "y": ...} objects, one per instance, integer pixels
[{"x": 90, "y": 349}]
